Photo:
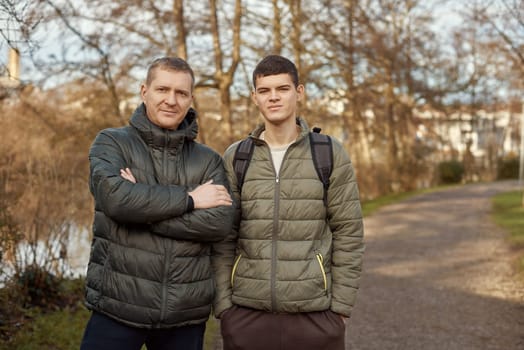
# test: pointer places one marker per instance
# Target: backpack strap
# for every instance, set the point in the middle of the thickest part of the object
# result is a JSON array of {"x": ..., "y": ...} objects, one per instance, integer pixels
[
  {"x": 322, "y": 154},
  {"x": 241, "y": 160}
]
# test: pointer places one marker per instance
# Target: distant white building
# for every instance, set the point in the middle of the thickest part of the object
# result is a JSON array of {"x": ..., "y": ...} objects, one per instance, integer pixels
[{"x": 484, "y": 130}]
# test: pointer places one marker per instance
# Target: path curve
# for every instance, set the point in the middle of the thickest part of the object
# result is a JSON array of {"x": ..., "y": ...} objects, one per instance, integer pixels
[{"x": 437, "y": 275}]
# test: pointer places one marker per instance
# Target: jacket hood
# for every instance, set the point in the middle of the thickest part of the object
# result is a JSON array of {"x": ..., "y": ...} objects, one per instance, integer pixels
[{"x": 158, "y": 137}]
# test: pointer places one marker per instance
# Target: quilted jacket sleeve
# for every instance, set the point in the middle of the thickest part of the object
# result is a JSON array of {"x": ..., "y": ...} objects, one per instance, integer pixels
[
  {"x": 205, "y": 225},
  {"x": 223, "y": 254},
  {"x": 345, "y": 220},
  {"x": 122, "y": 200}
]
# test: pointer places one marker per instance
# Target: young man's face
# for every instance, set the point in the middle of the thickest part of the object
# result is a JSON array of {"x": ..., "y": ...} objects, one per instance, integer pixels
[
  {"x": 167, "y": 97},
  {"x": 277, "y": 97}
]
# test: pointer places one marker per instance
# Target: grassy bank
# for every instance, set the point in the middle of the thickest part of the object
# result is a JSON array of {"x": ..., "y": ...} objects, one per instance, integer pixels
[
  {"x": 370, "y": 206},
  {"x": 509, "y": 213},
  {"x": 60, "y": 330},
  {"x": 63, "y": 329}
]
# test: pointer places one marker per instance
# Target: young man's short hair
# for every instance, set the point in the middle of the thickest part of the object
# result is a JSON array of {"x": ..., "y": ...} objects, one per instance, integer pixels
[
  {"x": 176, "y": 64},
  {"x": 273, "y": 65}
]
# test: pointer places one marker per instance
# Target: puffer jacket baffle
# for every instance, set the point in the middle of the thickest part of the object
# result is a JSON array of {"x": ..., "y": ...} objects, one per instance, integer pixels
[{"x": 150, "y": 256}]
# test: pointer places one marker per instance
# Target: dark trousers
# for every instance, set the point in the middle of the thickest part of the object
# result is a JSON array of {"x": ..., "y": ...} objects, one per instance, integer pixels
[
  {"x": 248, "y": 329},
  {"x": 104, "y": 333}
]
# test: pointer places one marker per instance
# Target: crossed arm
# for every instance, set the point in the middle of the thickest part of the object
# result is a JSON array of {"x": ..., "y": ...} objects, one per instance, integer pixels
[
  {"x": 207, "y": 219},
  {"x": 165, "y": 208},
  {"x": 205, "y": 196}
]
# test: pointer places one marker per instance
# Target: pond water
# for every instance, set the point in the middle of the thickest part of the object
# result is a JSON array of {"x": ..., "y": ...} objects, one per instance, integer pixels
[{"x": 69, "y": 257}]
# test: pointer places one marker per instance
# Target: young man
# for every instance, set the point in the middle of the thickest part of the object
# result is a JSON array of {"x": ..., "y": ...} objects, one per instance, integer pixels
[
  {"x": 160, "y": 200},
  {"x": 287, "y": 277}
]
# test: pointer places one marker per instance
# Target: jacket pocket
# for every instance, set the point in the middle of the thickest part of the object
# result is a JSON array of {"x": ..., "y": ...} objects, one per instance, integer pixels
[
  {"x": 320, "y": 260},
  {"x": 233, "y": 270}
]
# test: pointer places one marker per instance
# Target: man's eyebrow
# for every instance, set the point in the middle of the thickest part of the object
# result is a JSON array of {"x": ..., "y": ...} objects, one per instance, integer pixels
[{"x": 277, "y": 87}]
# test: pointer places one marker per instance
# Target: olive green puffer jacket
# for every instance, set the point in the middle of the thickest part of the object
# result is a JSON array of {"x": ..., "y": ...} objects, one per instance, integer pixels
[
  {"x": 150, "y": 257},
  {"x": 291, "y": 253}
]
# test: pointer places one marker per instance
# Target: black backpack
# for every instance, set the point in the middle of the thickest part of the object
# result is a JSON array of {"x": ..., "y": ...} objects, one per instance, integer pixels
[{"x": 321, "y": 150}]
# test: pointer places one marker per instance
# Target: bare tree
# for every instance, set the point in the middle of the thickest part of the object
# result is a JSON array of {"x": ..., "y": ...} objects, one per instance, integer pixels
[
  {"x": 181, "y": 32},
  {"x": 277, "y": 30},
  {"x": 222, "y": 76},
  {"x": 506, "y": 18}
]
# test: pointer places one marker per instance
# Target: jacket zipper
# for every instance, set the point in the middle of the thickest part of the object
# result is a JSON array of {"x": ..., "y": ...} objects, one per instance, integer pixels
[
  {"x": 166, "y": 250},
  {"x": 235, "y": 265},
  {"x": 164, "y": 155},
  {"x": 274, "y": 236},
  {"x": 274, "y": 240},
  {"x": 164, "y": 287},
  {"x": 321, "y": 263}
]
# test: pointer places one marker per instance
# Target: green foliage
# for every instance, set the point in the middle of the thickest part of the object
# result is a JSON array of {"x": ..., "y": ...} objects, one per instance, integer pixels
[
  {"x": 57, "y": 325},
  {"x": 509, "y": 213},
  {"x": 370, "y": 206},
  {"x": 63, "y": 330},
  {"x": 58, "y": 330},
  {"x": 450, "y": 172},
  {"x": 508, "y": 168},
  {"x": 23, "y": 300},
  {"x": 373, "y": 205}
]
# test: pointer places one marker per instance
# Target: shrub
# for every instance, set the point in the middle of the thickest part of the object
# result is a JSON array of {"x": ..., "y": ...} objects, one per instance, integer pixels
[
  {"x": 38, "y": 286},
  {"x": 508, "y": 168},
  {"x": 450, "y": 172}
]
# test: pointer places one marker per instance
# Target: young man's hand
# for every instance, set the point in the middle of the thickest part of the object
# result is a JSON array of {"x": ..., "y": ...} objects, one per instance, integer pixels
[{"x": 209, "y": 195}]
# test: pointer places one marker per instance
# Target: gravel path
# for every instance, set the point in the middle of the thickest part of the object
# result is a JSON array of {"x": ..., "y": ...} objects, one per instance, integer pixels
[{"x": 437, "y": 275}]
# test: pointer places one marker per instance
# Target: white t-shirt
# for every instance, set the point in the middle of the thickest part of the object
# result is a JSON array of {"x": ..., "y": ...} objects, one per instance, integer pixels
[{"x": 277, "y": 153}]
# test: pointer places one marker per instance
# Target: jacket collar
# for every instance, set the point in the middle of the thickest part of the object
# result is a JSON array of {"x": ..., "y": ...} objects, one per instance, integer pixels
[
  {"x": 158, "y": 137},
  {"x": 304, "y": 130}
]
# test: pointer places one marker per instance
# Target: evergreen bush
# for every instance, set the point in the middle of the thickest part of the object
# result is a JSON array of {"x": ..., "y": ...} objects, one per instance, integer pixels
[
  {"x": 450, "y": 172},
  {"x": 508, "y": 168}
]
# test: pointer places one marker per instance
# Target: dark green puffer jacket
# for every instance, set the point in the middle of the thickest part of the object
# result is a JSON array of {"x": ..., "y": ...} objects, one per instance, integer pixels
[
  {"x": 290, "y": 252},
  {"x": 150, "y": 257}
]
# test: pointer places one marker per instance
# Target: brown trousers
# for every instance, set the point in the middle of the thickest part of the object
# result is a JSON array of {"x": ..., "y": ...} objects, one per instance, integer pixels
[{"x": 248, "y": 329}]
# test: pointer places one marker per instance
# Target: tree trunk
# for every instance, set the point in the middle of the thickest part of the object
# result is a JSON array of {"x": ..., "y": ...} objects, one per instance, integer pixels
[{"x": 181, "y": 33}]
